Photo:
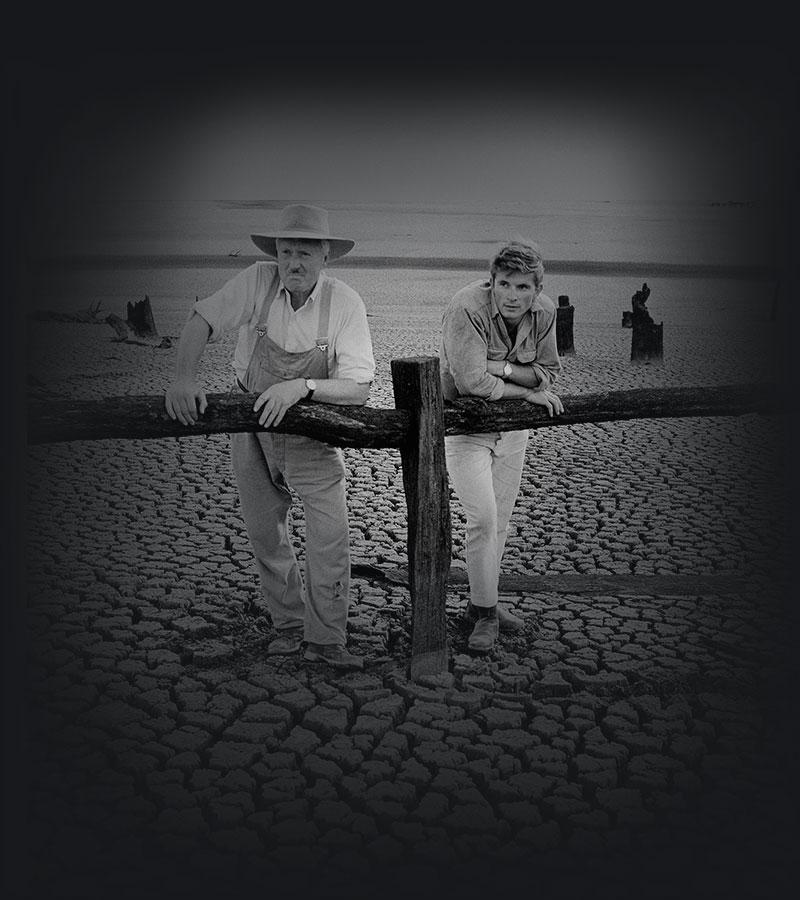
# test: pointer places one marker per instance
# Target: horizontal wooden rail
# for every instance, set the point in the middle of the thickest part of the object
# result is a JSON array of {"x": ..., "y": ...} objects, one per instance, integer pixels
[
  {"x": 51, "y": 421},
  {"x": 472, "y": 415},
  {"x": 57, "y": 420}
]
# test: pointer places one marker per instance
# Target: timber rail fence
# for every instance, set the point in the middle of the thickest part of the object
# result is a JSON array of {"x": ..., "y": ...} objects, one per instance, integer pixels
[{"x": 417, "y": 427}]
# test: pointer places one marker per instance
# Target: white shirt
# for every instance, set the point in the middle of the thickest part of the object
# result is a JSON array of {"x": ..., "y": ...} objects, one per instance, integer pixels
[{"x": 238, "y": 303}]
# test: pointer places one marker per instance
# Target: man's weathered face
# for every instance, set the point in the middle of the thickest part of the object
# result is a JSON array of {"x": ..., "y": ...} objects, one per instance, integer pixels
[
  {"x": 514, "y": 293},
  {"x": 299, "y": 263}
]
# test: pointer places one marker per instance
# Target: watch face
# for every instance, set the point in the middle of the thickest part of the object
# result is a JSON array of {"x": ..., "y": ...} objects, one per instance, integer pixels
[{"x": 311, "y": 384}]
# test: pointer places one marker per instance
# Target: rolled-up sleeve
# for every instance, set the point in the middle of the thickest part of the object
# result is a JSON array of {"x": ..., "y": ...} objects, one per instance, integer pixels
[
  {"x": 353, "y": 356},
  {"x": 465, "y": 345},
  {"x": 232, "y": 305}
]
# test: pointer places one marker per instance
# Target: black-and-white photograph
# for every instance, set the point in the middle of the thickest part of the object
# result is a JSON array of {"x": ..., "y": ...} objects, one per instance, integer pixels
[{"x": 407, "y": 498}]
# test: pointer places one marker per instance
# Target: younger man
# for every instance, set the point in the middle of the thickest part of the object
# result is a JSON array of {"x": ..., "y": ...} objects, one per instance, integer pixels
[{"x": 498, "y": 342}]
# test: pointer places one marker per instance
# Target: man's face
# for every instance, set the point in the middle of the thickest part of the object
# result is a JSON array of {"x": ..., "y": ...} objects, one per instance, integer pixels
[
  {"x": 299, "y": 263},
  {"x": 514, "y": 293}
]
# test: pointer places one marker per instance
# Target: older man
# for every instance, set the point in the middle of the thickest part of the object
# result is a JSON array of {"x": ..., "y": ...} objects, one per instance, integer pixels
[
  {"x": 303, "y": 335},
  {"x": 498, "y": 342}
]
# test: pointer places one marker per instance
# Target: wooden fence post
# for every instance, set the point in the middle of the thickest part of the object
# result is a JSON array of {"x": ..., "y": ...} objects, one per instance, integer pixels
[
  {"x": 565, "y": 314},
  {"x": 417, "y": 390}
]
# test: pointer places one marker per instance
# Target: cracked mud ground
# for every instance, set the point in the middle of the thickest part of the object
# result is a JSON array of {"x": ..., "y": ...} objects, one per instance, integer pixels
[{"x": 637, "y": 734}]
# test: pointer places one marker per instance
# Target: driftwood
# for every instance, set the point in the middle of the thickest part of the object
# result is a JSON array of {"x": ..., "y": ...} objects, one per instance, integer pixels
[
  {"x": 618, "y": 584},
  {"x": 365, "y": 426},
  {"x": 90, "y": 315}
]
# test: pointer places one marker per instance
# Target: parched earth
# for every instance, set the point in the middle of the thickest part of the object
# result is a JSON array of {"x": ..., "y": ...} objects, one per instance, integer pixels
[{"x": 637, "y": 734}]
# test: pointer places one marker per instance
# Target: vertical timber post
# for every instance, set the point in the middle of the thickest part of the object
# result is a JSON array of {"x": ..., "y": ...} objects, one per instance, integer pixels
[{"x": 417, "y": 390}]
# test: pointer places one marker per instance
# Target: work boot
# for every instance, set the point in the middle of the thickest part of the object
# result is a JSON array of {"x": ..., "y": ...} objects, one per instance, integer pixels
[
  {"x": 333, "y": 654},
  {"x": 287, "y": 642},
  {"x": 484, "y": 634},
  {"x": 505, "y": 618}
]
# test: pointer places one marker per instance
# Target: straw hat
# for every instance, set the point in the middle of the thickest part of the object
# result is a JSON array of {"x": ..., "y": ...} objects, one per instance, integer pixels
[{"x": 301, "y": 222}]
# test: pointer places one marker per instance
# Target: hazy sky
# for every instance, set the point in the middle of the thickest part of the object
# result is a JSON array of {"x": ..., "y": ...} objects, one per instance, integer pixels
[{"x": 371, "y": 129}]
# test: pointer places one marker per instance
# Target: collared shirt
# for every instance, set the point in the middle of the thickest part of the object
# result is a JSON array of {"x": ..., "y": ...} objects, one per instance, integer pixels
[
  {"x": 238, "y": 303},
  {"x": 474, "y": 331}
]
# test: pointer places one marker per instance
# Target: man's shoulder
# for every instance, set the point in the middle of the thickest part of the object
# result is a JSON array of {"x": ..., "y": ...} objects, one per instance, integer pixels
[
  {"x": 342, "y": 291},
  {"x": 544, "y": 302},
  {"x": 472, "y": 296}
]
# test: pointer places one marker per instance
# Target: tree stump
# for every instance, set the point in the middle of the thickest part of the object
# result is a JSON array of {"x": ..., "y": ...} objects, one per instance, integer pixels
[
  {"x": 565, "y": 314},
  {"x": 139, "y": 327},
  {"x": 140, "y": 319},
  {"x": 647, "y": 339}
]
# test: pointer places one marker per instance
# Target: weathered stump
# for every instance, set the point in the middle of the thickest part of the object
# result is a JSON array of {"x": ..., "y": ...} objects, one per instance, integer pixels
[
  {"x": 139, "y": 327},
  {"x": 417, "y": 390},
  {"x": 565, "y": 315},
  {"x": 140, "y": 319},
  {"x": 647, "y": 339}
]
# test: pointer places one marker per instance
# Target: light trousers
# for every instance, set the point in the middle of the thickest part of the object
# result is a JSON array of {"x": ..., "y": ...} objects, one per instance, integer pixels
[
  {"x": 485, "y": 472},
  {"x": 265, "y": 466}
]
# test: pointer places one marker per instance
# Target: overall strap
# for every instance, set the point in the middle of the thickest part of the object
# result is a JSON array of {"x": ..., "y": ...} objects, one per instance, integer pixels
[
  {"x": 272, "y": 290},
  {"x": 324, "y": 315}
]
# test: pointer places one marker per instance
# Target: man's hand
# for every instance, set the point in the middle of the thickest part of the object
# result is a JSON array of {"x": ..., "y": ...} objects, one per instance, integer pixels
[
  {"x": 276, "y": 399},
  {"x": 185, "y": 400},
  {"x": 551, "y": 402}
]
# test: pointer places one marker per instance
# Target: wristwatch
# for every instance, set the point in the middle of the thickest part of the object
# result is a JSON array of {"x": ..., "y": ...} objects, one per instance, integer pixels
[
  {"x": 507, "y": 370},
  {"x": 311, "y": 386}
]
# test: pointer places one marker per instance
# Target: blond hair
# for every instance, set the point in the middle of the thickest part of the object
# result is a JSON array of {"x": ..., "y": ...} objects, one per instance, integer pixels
[{"x": 519, "y": 256}]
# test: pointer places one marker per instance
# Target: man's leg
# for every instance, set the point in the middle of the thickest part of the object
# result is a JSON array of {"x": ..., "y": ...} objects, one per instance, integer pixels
[
  {"x": 266, "y": 502},
  {"x": 507, "y": 465},
  {"x": 469, "y": 465},
  {"x": 316, "y": 472}
]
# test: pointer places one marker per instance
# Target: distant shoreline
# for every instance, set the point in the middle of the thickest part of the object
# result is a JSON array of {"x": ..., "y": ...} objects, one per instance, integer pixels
[{"x": 554, "y": 266}]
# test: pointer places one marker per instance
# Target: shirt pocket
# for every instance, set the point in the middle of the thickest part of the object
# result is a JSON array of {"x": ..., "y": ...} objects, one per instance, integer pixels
[
  {"x": 497, "y": 353},
  {"x": 526, "y": 353}
]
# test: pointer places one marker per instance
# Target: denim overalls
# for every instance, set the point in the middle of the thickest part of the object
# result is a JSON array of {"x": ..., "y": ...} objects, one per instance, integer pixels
[{"x": 268, "y": 466}]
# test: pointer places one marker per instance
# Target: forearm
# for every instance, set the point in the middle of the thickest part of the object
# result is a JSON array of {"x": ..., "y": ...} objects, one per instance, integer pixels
[
  {"x": 524, "y": 376},
  {"x": 513, "y": 391},
  {"x": 341, "y": 391},
  {"x": 191, "y": 345}
]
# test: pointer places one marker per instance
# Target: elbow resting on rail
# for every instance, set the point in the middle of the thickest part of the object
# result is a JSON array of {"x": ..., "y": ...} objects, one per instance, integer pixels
[{"x": 478, "y": 384}]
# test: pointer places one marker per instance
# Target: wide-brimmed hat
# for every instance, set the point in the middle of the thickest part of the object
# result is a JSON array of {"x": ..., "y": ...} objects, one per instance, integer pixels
[{"x": 301, "y": 222}]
